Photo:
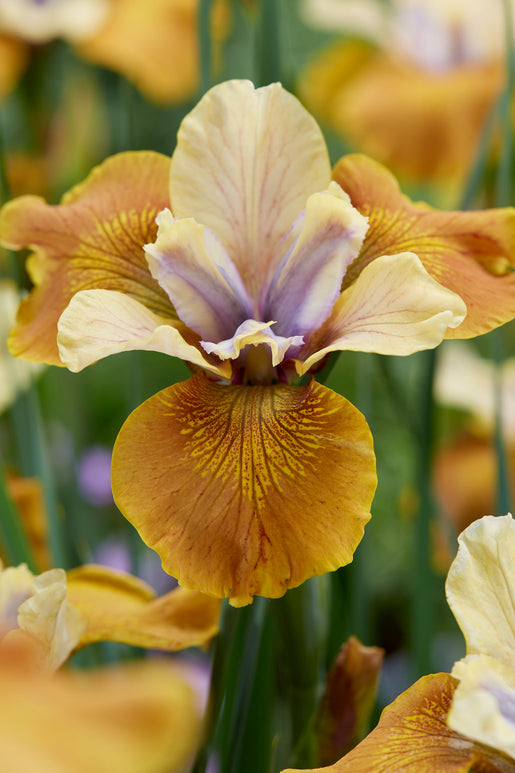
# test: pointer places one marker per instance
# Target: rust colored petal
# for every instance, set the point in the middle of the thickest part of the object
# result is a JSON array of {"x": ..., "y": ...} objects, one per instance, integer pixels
[
  {"x": 471, "y": 253},
  {"x": 348, "y": 700},
  {"x": 94, "y": 239},
  {"x": 246, "y": 490},
  {"x": 119, "y": 607},
  {"x": 412, "y": 737}
]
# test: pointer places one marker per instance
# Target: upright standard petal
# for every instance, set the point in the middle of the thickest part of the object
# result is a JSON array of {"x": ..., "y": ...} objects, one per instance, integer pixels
[
  {"x": 246, "y": 490},
  {"x": 245, "y": 164},
  {"x": 93, "y": 239},
  {"x": 471, "y": 253},
  {"x": 393, "y": 307},
  {"x": 308, "y": 280},
  {"x": 480, "y": 587},
  {"x": 200, "y": 279}
]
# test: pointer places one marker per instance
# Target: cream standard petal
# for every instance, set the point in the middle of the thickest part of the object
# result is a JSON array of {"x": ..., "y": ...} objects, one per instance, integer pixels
[
  {"x": 394, "y": 307},
  {"x": 480, "y": 587},
  {"x": 198, "y": 276},
  {"x": 245, "y": 164},
  {"x": 308, "y": 281},
  {"x": 97, "y": 323}
]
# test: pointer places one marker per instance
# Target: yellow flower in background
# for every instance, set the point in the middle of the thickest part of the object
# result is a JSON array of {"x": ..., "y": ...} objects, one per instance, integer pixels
[
  {"x": 153, "y": 43},
  {"x": 480, "y": 590},
  {"x": 244, "y": 259},
  {"x": 140, "y": 717},
  {"x": 416, "y": 89},
  {"x": 56, "y": 613},
  {"x": 465, "y": 468}
]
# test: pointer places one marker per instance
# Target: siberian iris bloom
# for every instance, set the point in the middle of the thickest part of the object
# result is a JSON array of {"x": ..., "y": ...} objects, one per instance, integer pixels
[
  {"x": 413, "y": 84},
  {"x": 118, "y": 34},
  {"x": 244, "y": 258}
]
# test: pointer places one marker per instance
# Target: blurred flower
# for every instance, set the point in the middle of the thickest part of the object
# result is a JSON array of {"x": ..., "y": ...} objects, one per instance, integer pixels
[
  {"x": 94, "y": 476},
  {"x": 35, "y": 611},
  {"x": 134, "y": 718},
  {"x": 55, "y": 613},
  {"x": 15, "y": 375},
  {"x": 417, "y": 93},
  {"x": 481, "y": 591},
  {"x": 264, "y": 267},
  {"x": 153, "y": 43},
  {"x": 465, "y": 468},
  {"x": 28, "y": 499}
]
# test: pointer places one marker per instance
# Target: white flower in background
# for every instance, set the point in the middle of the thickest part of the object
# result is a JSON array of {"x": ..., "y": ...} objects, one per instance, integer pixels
[
  {"x": 38, "y": 21},
  {"x": 15, "y": 375}
]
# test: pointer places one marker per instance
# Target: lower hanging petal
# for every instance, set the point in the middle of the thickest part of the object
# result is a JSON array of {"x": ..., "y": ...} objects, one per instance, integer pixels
[{"x": 246, "y": 490}]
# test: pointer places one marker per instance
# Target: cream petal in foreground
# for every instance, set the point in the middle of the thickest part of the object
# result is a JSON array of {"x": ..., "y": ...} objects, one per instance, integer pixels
[{"x": 97, "y": 323}]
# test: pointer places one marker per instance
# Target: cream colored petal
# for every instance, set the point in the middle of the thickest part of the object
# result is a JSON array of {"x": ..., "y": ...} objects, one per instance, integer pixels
[
  {"x": 483, "y": 706},
  {"x": 394, "y": 307},
  {"x": 308, "y": 281},
  {"x": 198, "y": 276},
  {"x": 34, "y": 611},
  {"x": 41, "y": 22},
  {"x": 245, "y": 164},
  {"x": 97, "y": 323},
  {"x": 480, "y": 587},
  {"x": 253, "y": 333}
]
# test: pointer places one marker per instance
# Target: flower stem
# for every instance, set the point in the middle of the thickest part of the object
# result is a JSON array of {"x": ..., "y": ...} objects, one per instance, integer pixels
[
  {"x": 204, "y": 28},
  {"x": 268, "y": 43}
]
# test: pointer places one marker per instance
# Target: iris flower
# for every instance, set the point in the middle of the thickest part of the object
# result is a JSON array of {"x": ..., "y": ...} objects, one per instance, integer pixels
[
  {"x": 153, "y": 43},
  {"x": 54, "y": 614},
  {"x": 247, "y": 261},
  {"x": 464, "y": 721},
  {"x": 413, "y": 84}
]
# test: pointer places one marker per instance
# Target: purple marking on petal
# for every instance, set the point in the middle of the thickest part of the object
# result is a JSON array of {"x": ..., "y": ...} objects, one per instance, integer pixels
[
  {"x": 307, "y": 282},
  {"x": 505, "y": 697}
]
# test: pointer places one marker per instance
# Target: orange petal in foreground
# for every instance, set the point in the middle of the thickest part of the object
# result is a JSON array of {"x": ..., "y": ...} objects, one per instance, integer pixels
[
  {"x": 471, "y": 253},
  {"x": 137, "y": 718},
  {"x": 246, "y": 490},
  {"x": 412, "y": 737},
  {"x": 119, "y": 607},
  {"x": 93, "y": 239}
]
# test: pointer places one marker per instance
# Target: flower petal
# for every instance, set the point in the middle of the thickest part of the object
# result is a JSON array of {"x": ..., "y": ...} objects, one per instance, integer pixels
[
  {"x": 394, "y": 307},
  {"x": 198, "y": 276},
  {"x": 246, "y": 490},
  {"x": 166, "y": 28},
  {"x": 412, "y": 737},
  {"x": 471, "y": 253},
  {"x": 480, "y": 587},
  {"x": 119, "y": 607},
  {"x": 124, "y": 719},
  {"x": 483, "y": 706},
  {"x": 245, "y": 164},
  {"x": 93, "y": 239},
  {"x": 253, "y": 333},
  {"x": 307, "y": 282},
  {"x": 97, "y": 323}
]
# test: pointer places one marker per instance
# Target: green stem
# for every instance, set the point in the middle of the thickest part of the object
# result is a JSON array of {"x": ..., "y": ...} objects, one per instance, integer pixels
[
  {"x": 204, "y": 28},
  {"x": 268, "y": 43},
  {"x": 422, "y": 616}
]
